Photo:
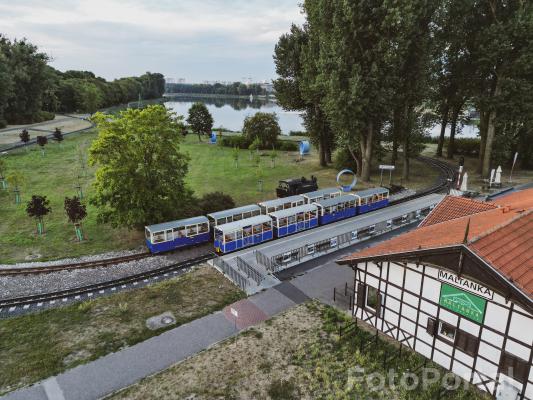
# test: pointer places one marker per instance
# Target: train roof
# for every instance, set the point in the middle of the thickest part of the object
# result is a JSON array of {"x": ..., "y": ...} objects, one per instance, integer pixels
[
  {"x": 236, "y": 225},
  {"x": 174, "y": 224},
  {"x": 337, "y": 200},
  {"x": 234, "y": 211},
  {"x": 321, "y": 192},
  {"x": 283, "y": 200},
  {"x": 294, "y": 210},
  {"x": 371, "y": 192}
]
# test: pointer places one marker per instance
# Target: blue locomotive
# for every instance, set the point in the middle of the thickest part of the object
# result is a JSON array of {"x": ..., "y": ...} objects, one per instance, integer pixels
[{"x": 245, "y": 226}]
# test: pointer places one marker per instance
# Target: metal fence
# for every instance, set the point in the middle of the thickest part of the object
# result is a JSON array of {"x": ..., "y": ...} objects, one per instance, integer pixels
[
  {"x": 233, "y": 274},
  {"x": 283, "y": 260},
  {"x": 250, "y": 271}
]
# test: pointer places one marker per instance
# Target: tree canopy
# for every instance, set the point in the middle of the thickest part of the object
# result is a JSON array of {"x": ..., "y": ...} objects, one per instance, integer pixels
[
  {"x": 200, "y": 119},
  {"x": 263, "y": 127},
  {"x": 140, "y": 175}
]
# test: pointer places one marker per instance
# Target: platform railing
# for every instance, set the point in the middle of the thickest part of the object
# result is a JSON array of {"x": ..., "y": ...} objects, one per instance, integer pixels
[
  {"x": 231, "y": 272},
  {"x": 250, "y": 271}
]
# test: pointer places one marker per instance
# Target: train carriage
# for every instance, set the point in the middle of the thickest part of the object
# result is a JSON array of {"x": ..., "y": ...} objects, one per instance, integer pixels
[
  {"x": 234, "y": 214},
  {"x": 372, "y": 199},
  {"x": 172, "y": 235},
  {"x": 337, "y": 208},
  {"x": 295, "y": 219},
  {"x": 321, "y": 194},
  {"x": 240, "y": 234},
  {"x": 284, "y": 203}
]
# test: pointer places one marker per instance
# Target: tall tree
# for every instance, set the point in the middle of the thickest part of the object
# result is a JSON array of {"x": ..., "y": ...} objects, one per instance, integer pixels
[
  {"x": 38, "y": 208},
  {"x": 141, "y": 171},
  {"x": 262, "y": 129},
  {"x": 200, "y": 119}
]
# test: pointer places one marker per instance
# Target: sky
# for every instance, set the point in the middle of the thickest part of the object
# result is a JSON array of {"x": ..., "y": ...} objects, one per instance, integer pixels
[{"x": 225, "y": 40}]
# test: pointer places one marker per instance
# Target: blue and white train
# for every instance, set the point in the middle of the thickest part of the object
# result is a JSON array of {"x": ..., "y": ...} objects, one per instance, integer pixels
[{"x": 245, "y": 226}]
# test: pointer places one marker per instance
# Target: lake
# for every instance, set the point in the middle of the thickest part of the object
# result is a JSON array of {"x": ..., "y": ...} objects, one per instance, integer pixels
[{"x": 230, "y": 112}]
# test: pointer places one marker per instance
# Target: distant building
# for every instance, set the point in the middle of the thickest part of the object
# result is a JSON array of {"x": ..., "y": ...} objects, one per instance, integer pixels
[{"x": 458, "y": 290}]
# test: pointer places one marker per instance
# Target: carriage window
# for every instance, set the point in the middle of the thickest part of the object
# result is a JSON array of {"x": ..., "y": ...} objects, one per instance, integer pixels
[
  {"x": 255, "y": 212},
  {"x": 257, "y": 229},
  {"x": 229, "y": 237},
  {"x": 300, "y": 217},
  {"x": 204, "y": 227},
  {"x": 266, "y": 227},
  {"x": 291, "y": 219},
  {"x": 282, "y": 222},
  {"x": 238, "y": 235},
  {"x": 446, "y": 331},
  {"x": 192, "y": 230},
  {"x": 246, "y": 215},
  {"x": 147, "y": 233},
  {"x": 313, "y": 214},
  {"x": 218, "y": 236},
  {"x": 158, "y": 237},
  {"x": 247, "y": 231}
]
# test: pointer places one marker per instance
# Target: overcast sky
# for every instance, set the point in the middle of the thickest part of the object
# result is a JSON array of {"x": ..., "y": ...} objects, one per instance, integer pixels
[{"x": 196, "y": 40}]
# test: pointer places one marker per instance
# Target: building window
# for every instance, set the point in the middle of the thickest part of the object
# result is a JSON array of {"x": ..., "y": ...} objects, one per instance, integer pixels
[
  {"x": 466, "y": 342},
  {"x": 372, "y": 300},
  {"x": 514, "y": 367},
  {"x": 447, "y": 331}
]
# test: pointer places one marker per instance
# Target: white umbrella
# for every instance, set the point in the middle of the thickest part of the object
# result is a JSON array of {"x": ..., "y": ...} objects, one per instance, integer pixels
[
  {"x": 464, "y": 183},
  {"x": 498, "y": 178}
]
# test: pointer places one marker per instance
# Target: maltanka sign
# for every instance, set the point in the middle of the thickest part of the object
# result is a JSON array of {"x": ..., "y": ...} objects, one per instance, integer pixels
[
  {"x": 461, "y": 302},
  {"x": 462, "y": 283}
]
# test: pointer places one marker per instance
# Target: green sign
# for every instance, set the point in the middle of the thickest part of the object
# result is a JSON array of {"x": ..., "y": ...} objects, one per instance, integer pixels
[{"x": 461, "y": 302}]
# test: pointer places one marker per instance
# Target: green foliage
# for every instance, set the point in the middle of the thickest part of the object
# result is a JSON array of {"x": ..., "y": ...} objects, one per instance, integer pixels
[
  {"x": 282, "y": 390},
  {"x": 233, "y": 89},
  {"x": 140, "y": 176},
  {"x": 16, "y": 179},
  {"x": 200, "y": 120},
  {"x": 215, "y": 201},
  {"x": 262, "y": 126},
  {"x": 3, "y": 168},
  {"x": 241, "y": 142}
]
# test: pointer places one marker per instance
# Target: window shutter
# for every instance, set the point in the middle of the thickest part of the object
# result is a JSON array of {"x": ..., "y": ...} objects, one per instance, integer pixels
[
  {"x": 361, "y": 294},
  {"x": 378, "y": 307},
  {"x": 431, "y": 327}
]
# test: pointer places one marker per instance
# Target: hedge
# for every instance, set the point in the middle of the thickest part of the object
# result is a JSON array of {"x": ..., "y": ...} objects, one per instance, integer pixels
[{"x": 243, "y": 143}]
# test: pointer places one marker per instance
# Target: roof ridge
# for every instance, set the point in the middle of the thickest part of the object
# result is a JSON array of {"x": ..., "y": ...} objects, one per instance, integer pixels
[{"x": 500, "y": 226}]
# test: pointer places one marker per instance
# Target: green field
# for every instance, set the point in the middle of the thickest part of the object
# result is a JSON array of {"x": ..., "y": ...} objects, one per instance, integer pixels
[
  {"x": 37, "y": 346},
  {"x": 211, "y": 168}
]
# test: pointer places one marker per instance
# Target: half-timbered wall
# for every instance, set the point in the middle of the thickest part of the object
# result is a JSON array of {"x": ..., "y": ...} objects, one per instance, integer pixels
[{"x": 409, "y": 295}]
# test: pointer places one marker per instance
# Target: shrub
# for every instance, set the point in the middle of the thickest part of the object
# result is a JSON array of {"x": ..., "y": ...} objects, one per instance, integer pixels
[
  {"x": 282, "y": 390},
  {"x": 298, "y": 133},
  {"x": 287, "y": 145},
  {"x": 466, "y": 146},
  {"x": 263, "y": 126},
  {"x": 215, "y": 201},
  {"x": 234, "y": 141}
]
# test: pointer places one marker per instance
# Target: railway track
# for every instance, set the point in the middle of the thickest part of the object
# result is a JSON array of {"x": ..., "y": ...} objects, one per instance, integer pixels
[
  {"x": 68, "y": 267},
  {"x": 87, "y": 292}
]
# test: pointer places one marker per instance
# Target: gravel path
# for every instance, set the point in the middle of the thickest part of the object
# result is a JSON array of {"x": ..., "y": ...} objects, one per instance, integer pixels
[{"x": 23, "y": 285}]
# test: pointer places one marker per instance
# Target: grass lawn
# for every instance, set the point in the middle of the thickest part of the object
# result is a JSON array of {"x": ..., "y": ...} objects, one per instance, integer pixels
[
  {"x": 296, "y": 355},
  {"x": 36, "y": 346},
  {"x": 211, "y": 168}
]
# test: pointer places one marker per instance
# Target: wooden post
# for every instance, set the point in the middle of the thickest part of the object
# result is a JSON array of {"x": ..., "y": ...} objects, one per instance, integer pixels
[{"x": 334, "y": 290}]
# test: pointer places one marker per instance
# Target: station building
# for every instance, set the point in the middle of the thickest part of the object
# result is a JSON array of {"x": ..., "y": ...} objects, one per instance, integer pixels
[{"x": 458, "y": 290}]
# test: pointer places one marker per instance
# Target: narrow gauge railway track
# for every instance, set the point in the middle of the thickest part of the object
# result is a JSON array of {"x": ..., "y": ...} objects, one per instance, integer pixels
[
  {"x": 76, "y": 293},
  {"x": 81, "y": 265}
]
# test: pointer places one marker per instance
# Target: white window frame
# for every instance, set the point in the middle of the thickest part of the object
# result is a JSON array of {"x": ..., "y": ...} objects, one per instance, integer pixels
[{"x": 367, "y": 306}]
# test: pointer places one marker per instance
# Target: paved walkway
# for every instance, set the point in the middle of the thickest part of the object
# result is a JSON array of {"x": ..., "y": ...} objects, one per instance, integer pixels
[{"x": 123, "y": 368}]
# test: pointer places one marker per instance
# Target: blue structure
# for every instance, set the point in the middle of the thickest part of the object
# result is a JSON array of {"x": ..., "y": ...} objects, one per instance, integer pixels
[
  {"x": 270, "y": 206},
  {"x": 347, "y": 188},
  {"x": 337, "y": 208},
  {"x": 172, "y": 235},
  {"x": 321, "y": 194},
  {"x": 304, "y": 147},
  {"x": 240, "y": 234},
  {"x": 213, "y": 138},
  {"x": 295, "y": 219},
  {"x": 372, "y": 199},
  {"x": 234, "y": 214}
]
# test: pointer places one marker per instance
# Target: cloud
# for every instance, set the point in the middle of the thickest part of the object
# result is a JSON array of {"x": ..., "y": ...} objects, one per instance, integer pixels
[{"x": 225, "y": 39}]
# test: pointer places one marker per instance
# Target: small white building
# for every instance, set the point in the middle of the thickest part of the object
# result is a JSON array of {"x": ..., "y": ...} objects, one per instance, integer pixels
[{"x": 458, "y": 290}]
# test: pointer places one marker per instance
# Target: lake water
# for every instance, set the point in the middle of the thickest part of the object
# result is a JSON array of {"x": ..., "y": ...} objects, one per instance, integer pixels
[{"x": 230, "y": 112}]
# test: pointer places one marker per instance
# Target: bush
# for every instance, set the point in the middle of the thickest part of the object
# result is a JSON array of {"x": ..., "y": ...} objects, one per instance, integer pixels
[
  {"x": 215, "y": 201},
  {"x": 263, "y": 126},
  {"x": 298, "y": 133},
  {"x": 243, "y": 143},
  {"x": 282, "y": 390},
  {"x": 287, "y": 145},
  {"x": 466, "y": 146}
]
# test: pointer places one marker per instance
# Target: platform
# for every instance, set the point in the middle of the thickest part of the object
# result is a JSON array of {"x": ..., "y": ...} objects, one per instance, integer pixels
[{"x": 254, "y": 268}]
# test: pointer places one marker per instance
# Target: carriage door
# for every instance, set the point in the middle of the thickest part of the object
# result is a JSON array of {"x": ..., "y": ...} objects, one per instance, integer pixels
[
  {"x": 300, "y": 220},
  {"x": 247, "y": 236}
]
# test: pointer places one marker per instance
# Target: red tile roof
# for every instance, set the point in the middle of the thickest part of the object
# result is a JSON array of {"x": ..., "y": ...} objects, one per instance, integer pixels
[
  {"x": 502, "y": 237},
  {"x": 453, "y": 207}
]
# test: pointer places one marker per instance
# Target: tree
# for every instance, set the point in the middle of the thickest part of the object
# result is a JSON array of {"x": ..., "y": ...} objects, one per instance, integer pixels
[
  {"x": 141, "y": 171},
  {"x": 262, "y": 126},
  {"x": 200, "y": 119},
  {"x": 215, "y": 201},
  {"x": 42, "y": 141},
  {"x": 273, "y": 156},
  {"x": 76, "y": 212},
  {"x": 38, "y": 208},
  {"x": 235, "y": 154},
  {"x": 6, "y": 87},
  {"x": 16, "y": 179},
  {"x": 24, "y": 137}
]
